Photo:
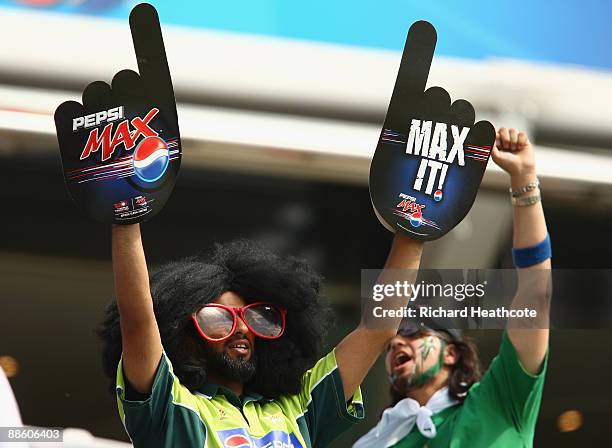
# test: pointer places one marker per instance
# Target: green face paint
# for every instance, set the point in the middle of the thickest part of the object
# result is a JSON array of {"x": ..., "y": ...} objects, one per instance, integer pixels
[{"x": 426, "y": 348}]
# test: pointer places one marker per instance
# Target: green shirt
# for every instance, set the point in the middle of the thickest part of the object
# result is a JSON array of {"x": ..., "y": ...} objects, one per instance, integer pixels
[
  {"x": 214, "y": 417},
  {"x": 500, "y": 411}
]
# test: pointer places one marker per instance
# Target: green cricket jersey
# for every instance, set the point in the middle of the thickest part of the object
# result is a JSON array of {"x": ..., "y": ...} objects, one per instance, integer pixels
[
  {"x": 214, "y": 417},
  {"x": 499, "y": 412}
]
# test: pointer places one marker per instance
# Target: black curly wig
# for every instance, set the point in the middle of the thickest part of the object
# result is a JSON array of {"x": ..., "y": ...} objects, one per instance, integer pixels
[{"x": 181, "y": 288}]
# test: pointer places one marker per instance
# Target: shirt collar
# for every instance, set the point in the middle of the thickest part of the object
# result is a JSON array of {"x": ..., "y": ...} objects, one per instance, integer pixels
[{"x": 211, "y": 390}]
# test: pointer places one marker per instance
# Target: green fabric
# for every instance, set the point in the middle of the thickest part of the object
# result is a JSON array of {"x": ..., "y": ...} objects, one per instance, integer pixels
[
  {"x": 172, "y": 416},
  {"x": 499, "y": 412}
]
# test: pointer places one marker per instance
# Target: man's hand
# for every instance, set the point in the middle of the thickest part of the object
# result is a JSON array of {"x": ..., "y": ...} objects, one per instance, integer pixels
[
  {"x": 141, "y": 342},
  {"x": 514, "y": 153},
  {"x": 358, "y": 351}
]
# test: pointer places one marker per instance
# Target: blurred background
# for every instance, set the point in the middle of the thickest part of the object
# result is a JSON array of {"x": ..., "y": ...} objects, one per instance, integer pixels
[{"x": 280, "y": 106}]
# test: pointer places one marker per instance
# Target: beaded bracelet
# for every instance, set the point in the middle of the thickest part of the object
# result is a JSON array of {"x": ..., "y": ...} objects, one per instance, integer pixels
[
  {"x": 526, "y": 201},
  {"x": 526, "y": 189}
]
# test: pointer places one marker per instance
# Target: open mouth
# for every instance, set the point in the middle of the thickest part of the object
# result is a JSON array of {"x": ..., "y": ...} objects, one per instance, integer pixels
[
  {"x": 239, "y": 347},
  {"x": 400, "y": 359}
]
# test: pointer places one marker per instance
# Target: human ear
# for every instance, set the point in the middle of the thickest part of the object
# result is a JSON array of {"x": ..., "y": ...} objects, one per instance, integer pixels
[{"x": 451, "y": 355}]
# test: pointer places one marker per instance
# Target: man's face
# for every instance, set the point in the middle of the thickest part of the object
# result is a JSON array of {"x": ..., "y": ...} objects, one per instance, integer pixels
[
  {"x": 408, "y": 359},
  {"x": 234, "y": 358},
  {"x": 241, "y": 344}
]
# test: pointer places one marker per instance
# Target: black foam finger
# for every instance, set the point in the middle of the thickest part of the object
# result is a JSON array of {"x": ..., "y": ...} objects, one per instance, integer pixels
[
  {"x": 435, "y": 102},
  {"x": 121, "y": 149},
  {"x": 417, "y": 58},
  {"x": 67, "y": 111},
  {"x": 413, "y": 73},
  {"x": 463, "y": 112},
  {"x": 482, "y": 133},
  {"x": 127, "y": 84},
  {"x": 150, "y": 50},
  {"x": 96, "y": 96},
  {"x": 429, "y": 162},
  {"x": 64, "y": 114}
]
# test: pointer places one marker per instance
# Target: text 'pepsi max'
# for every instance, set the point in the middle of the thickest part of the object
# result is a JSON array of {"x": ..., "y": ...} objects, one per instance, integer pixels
[{"x": 122, "y": 164}]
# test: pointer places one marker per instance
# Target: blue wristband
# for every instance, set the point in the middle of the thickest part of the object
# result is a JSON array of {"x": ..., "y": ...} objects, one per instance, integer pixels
[{"x": 529, "y": 256}]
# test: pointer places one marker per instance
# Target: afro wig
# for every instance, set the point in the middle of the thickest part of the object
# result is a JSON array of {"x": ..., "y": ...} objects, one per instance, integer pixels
[{"x": 181, "y": 288}]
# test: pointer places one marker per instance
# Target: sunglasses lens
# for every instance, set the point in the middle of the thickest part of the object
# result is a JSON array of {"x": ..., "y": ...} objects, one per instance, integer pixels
[
  {"x": 264, "y": 320},
  {"x": 215, "y": 322}
]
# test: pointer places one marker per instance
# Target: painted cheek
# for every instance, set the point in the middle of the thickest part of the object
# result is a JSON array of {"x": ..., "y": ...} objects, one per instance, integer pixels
[
  {"x": 433, "y": 356},
  {"x": 419, "y": 362}
]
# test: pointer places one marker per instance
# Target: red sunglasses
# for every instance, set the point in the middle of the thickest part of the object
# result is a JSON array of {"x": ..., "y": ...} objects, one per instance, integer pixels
[{"x": 217, "y": 322}]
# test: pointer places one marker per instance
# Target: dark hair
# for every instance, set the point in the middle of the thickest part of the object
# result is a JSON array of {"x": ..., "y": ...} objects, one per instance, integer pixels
[
  {"x": 464, "y": 373},
  {"x": 181, "y": 288}
]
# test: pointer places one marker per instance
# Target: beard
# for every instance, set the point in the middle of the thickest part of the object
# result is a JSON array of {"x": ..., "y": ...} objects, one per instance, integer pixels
[
  {"x": 414, "y": 380},
  {"x": 232, "y": 369},
  {"x": 403, "y": 383}
]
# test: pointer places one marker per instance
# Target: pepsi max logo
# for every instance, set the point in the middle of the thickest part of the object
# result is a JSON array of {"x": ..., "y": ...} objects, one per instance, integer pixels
[
  {"x": 237, "y": 441},
  {"x": 416, "y": 219},
  {"x": 151, "y": 159},
  {"x": 411, "y": 209},
  {"x": 122, "y": 136}
]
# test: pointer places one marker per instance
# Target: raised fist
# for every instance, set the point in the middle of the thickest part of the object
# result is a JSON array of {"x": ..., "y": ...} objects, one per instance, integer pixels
[{"x": 514, "y": 153}]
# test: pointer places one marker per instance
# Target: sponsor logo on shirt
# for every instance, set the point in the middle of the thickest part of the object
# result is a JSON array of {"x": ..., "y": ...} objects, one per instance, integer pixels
[
  {"x": 237, "y": 441},
  {"x": 240, "y": 438}
]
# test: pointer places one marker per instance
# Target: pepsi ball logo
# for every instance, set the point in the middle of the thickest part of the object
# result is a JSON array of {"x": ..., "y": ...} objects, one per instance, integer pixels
[
  {"x": 237, "y": 441},
  {"x": 151, "y": 159},
  {"x": 416, "y": 219},
  {"x": 438, "y": 195}
]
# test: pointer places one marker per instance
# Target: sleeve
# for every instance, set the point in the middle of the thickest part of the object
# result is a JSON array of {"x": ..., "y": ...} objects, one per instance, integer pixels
[
  {"x": 168, "y": 417},
  {"x": 516, "y": 391},
  {"x": 9, "y": 411},
  {"x": 326, "y": 412}
]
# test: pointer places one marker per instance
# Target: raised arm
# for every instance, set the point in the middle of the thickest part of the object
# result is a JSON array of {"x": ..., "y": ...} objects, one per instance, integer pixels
[
  {"x": 514, "y": 153},
  {"x": 140, "y": 337},
  {"x": 358, "y": 351}
]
